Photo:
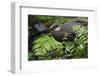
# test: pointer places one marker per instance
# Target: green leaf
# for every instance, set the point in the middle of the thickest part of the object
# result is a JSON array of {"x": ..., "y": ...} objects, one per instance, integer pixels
[{"x": 45, "y": 43}]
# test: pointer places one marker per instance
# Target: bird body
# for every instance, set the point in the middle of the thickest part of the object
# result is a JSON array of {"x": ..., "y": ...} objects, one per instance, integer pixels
[{"x": 59, "y": 31}]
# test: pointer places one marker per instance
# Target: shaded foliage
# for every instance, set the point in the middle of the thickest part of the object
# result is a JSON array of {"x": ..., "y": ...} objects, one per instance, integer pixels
[{"x": 46, "y": 47}]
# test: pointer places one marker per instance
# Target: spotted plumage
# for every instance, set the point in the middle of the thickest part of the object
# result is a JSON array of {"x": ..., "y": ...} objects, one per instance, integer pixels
[{"x": 67, "y": 29}]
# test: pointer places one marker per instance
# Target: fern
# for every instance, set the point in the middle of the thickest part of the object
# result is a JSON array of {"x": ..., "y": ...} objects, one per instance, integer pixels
[
  {"x": 44, "y": 44},
  {"x": 45, "y": 47},
  {"x": 78, "y": 47},
  {"x": 81, "y": 41}
]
